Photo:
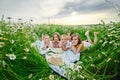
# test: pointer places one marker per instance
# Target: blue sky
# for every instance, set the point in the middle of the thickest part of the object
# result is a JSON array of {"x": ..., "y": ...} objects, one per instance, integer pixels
[{"x": 72, "y": 12}]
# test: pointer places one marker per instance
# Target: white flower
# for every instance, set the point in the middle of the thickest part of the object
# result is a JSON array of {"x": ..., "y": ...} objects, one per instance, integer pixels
[
  {"x": 92, "y": 65},
  {"x": 32, "y": 45},
  {"x": 79, "y": 67},
  {"x": 72, "y": 65},
  {"x": 82, "y": 77},
  {"x": 30, "y": 76},
  {"x": 26, "y": 50},
  {"x": 24, "y": 57},
  {"x": 51, "y": 77},
  {"x": 11, "y": 56}
]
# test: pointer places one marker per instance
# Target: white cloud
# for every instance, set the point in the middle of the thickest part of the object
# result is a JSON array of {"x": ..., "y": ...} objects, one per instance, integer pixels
[{"x": 40, "y": 10}]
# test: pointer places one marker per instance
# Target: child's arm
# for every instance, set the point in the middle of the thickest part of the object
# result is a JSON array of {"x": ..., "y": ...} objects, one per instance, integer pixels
[
  {"x": 44, "y": 47},
  {"x": 78, "y": 49},
  {"x": 64, "y": 48}
]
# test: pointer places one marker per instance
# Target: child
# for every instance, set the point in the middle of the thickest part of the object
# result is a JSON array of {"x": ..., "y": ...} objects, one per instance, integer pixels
[
  {"x": 46, "y": 43},
  {"x": 78, "y": 45},
  {"x": 64, "y": 44},
  {"x": 56, "y": 40}
]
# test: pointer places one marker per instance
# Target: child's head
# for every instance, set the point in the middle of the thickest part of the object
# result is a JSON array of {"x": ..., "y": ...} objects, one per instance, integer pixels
[
  {"x": 56, "y": 36},
  {"x": 76, "y": 39},
  {"x": 46, "y": 38},
  {"x": 64, "y": 38}
]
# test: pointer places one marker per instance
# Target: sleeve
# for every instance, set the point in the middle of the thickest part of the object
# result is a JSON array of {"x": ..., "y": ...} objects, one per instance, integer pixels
[
  {"x": 51, "y": 44},
  {"x": 42, "y": 45},
  {"x": 68, "y": 44}
]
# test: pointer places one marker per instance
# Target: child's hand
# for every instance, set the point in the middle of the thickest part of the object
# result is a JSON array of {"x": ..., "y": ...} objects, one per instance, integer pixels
[
  {"x": 64, "y": 43},
  {"x": 73, "y": 44}
]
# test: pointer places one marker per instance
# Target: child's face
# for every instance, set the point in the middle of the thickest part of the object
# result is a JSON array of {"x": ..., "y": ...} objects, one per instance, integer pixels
[
  {"x": 55, "y": 38},
  {"x": 46, "y": 38},
  {"x": 64, "y": 39},
  {"x": 75, "y": 40}
]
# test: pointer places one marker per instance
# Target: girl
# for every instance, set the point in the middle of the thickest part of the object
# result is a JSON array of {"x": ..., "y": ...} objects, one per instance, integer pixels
[
  {"x": 56, "y": 40},
  {"x": 46, "y": 43},
  {"x": 78, "y": 45},
  {"x": 64, "y": 43}
]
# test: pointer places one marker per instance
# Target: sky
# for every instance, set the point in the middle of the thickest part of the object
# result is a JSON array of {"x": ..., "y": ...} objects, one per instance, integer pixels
[{"x": 66, "y": 12}]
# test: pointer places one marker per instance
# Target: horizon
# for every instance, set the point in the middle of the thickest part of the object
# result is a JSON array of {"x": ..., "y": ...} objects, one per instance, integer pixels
[{"x": 69, "y": 12}]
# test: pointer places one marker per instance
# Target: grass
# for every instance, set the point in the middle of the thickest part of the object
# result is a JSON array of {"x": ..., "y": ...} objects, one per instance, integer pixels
[{"x": 100, "y": 62}]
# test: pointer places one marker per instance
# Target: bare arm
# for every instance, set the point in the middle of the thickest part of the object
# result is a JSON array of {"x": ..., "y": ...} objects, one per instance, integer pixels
[
  {"x": 64, "y": 48},
  {"x": 78, "y": 49}
]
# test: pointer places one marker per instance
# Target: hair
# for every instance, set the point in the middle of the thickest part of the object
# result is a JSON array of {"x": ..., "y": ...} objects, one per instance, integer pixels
[
  {"x": 64, "y": 35},
  {"x": 46, "y": 35},
  {"x": 58, "y": 35},
  {"x": 77, "y": 35}
]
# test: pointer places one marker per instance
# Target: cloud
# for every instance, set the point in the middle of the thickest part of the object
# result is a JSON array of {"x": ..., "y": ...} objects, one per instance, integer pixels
[
  {"x": 84, "y": 7},
  {"x": 40, "y": 10}
]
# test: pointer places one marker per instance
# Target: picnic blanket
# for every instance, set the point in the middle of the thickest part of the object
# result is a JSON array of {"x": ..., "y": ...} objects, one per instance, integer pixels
[{"x": 58, "y": 60}]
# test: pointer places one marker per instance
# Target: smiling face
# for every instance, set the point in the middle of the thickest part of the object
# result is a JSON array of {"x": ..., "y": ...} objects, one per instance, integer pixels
[
  {"x": 64, "y": 39},
  {"x": 55, "y": 38},
  {"x": 46, "y": 38},
  {"x": 75, "y": 40}
]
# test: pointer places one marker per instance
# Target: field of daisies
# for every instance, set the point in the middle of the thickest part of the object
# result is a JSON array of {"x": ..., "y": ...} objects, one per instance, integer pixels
[{"x": 21, "y": 60}]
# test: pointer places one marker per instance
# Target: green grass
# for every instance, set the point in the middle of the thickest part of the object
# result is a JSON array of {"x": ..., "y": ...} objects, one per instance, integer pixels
[{"x": 100, "y": 62}]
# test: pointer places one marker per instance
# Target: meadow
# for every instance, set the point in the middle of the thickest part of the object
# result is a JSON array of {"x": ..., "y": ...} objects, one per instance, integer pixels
[{"x": 21, "y": 60}]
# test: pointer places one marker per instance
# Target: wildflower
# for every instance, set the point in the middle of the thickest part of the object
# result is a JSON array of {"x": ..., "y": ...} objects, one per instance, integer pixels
[
  {"x": 24, "y": 57},
  {"x": 108, "y": 59},
  {"x": 51, "y": 77},
  {"x": 82, "y": 77},
  {"x": 30, "y": 76},
  {"x": 11, "y": 56},
  {"x": 79, "y": 67},
  {"x": 92, "y": 65},
  {"x": 32, "y": 45},
  {"x": 26, "y": 50},
  {"x": 72, "y": 65},
  {"x": 1, "y": 44},
  {"x": 104, "y": 43}
]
